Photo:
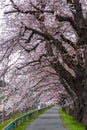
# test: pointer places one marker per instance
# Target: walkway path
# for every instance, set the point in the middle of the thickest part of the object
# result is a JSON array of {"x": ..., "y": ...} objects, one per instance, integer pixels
[{"x": 50, "y": 120}]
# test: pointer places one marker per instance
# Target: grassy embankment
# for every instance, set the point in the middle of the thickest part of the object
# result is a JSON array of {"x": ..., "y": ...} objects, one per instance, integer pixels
[
  {"x": 69, "y": 122},
  {"x": 2, "y": 125},
  {"x": 24, "y": 125}
]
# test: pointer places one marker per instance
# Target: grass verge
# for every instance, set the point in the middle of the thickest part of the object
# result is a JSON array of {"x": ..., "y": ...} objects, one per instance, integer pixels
[
  {"x": 69, "y": 122},
  {"x": 17, "y": 116},
  {"x": 26, "y": 123},
  {"x": 10, "y": 120},
  {"x": 2, "y": 125}
]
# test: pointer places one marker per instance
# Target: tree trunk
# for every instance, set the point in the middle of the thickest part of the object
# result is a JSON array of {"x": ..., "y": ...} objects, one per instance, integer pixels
[
  {"x": 85, "y": 90},
  {"x": 78, "y": 109}
]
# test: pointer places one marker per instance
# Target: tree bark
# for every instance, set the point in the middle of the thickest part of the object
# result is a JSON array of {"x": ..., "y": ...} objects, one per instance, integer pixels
[{"x": 85, "y": 90}]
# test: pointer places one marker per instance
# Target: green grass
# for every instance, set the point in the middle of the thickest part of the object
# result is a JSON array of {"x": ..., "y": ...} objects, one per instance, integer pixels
[
  {"x": 26, "y": 123},
  {"x": 69, "y": 122},
  {"x": 17, "y": 116},
  {"x": 10, "y": 120}
]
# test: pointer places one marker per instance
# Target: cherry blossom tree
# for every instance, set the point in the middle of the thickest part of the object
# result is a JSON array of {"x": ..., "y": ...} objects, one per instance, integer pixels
[{"x": 52, "y": 35}]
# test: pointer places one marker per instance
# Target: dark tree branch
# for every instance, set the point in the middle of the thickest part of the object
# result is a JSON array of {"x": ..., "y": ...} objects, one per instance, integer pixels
[
  {"x": 29, "y": 11},
  {"x": 14, "y": 5},
  {"x": 68, "y": 41},
  {"x": 70, "y": 20},
  {"x": 41, "y": 56},
  {"x": 76, "y": 10},
  {"x": 27, "y": 64},
  {"x": 63, "y": 73},
  {"x": 49, "y": 49},
  {"x": 42, "y": 86},
  {"x": 48, "y": 37},
  {"x": 67, "y": 59},
  {"x": 45, "y": 35},
  {"x": 43, "y": 4},
  {"x": 68, "y": 89},
  {"x": 28, "y": 50},
  {"x": 29, "y": 38},
  {"x": 17, "y": 9}
]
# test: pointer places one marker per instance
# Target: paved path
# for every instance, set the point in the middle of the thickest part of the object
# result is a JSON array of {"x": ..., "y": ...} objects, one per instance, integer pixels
[{"x": 50, "y": 120}]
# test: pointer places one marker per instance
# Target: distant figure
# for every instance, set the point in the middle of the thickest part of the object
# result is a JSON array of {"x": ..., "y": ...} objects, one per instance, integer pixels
[{"x": 38, "y": 107}]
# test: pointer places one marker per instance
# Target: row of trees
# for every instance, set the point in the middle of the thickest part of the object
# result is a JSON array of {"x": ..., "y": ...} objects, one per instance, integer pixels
[{"x": 51, "y": 36}]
